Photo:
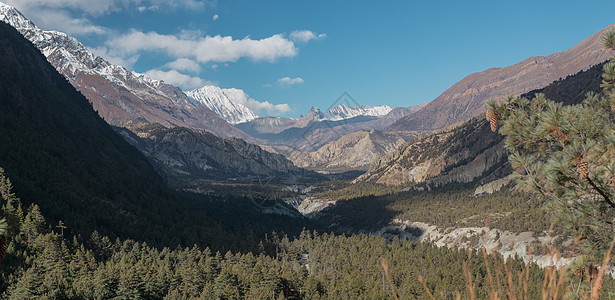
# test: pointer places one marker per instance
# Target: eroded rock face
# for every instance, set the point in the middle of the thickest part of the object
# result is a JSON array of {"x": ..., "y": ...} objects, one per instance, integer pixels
[
  {"x": 494, "y": 186},
  {"x": 310, "y": 207},
  {"x": 458, "y": 154},
  {"x": 509, "y": 244}
]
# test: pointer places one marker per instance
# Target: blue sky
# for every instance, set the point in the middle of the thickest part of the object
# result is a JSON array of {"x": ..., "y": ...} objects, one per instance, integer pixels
[{"x": 291, "y": 55}]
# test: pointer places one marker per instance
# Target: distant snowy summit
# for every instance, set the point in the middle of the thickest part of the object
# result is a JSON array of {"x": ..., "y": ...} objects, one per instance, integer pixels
[
  {"x": 226, "y": 103},
  {"x": 231, "y": 105},
  {"x": 343, "y": 112}
]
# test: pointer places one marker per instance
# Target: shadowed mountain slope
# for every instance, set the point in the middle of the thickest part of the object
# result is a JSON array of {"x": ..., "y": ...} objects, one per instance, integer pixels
[{"x": 60, "y": 154}]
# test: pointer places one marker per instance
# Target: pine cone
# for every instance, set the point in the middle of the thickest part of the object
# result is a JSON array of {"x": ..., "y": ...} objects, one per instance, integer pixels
[
  {"x": 492, "y": 118},
  {"x": 582, "y": 169},
  {"x": 2, "y": 247}
]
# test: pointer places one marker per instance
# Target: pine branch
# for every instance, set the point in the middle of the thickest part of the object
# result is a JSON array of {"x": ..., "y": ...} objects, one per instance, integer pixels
[{"x": 601, "y": 192}]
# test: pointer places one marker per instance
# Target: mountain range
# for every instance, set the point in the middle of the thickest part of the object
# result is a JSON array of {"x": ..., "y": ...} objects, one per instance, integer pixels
[
  {"x": 344, "y": 138},
  {"x": 310, "y": 132},
  {"x": 465, "y": 100},
  {"x": 121, "y": 96},
  {"x": 61, "y": 156},
  {"x": 121, "y": 232},
  {"x": 468, "y": 151}
]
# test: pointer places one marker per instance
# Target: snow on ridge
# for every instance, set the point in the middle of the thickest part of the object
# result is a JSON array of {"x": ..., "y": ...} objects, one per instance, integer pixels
[
  {"x": 70, "y": 57},
  {"x": 14, "y": 18}
]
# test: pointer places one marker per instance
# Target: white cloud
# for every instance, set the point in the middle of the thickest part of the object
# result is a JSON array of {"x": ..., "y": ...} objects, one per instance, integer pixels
[
  {"x": 68, "y": 16},
  {"x": 259, "y": 107},
  {"x": 208, "y": 49},
  {"x": 186, "y": 82},
  {"x": 184, "y": 64},
  {"x": 215, "y": 17},
  {"x": 305, "y": 36},
  {"x": 174, "y": 4},
  {"x": 271, "y": 109},
  {"x": 100, "y": 7},
  {"x": 88, "y": 7},
  {"x": 71, "y": 16},
  {"x": 61, "y": 20},
  {"x": 190, "y": 34},
  {"x": 127, "y": 63},
  {"x": 290, "y": 81}
]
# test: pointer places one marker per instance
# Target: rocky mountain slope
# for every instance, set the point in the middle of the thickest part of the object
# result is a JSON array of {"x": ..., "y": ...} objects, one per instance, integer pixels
[
  {"x": 226, "y": 103},
  {"x": 59, "y": 153},
  {"x": 351, "y": 152},
  {"x": 117, "y": 94},
  {"x": 468, "y": 151},
  {"x": 465, "y": 99},
  {"x": 189, "y": 157},
  {"x": 353, "y": 146}
]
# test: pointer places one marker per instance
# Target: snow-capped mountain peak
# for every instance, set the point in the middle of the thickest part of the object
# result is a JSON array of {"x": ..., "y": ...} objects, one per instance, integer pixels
[
  {"x": 71, "y": 58},
  {"x": 226, "y": 103},
  {"x": 12, "y": 16},
  {"x": 315, "y": 114},
  {"x": 342, "y": 112}
]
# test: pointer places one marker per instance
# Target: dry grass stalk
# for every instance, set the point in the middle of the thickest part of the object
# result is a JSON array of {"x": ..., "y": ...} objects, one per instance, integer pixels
[
  {"x": 385, "y": 267},
  {"x": 493, "y": 293},
  {"x": 552, "y": 286},
  {"x": 427, "y": 289},
  {"x": 605, "y": 263}
]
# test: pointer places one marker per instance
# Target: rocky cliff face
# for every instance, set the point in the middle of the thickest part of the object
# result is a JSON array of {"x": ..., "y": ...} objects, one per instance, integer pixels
[
  {"x": 465, "y": 99},
  {"x": 185, "y": 156},
  {"x": 467, "y": 151},
  {"x": 509, "y": 244},
  {"x": 463, "y": 153}
]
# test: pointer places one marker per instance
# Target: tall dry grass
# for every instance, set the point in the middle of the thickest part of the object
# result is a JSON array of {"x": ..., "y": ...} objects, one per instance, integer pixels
[{"x": 501, "y": 283}]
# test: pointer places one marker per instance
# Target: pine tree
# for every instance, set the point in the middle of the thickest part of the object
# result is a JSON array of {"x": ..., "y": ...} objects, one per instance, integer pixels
[
  {"x": 33, "y": 224},
  {"x": 566, "y": 154},
  {"x": 10, "y": 213}
]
